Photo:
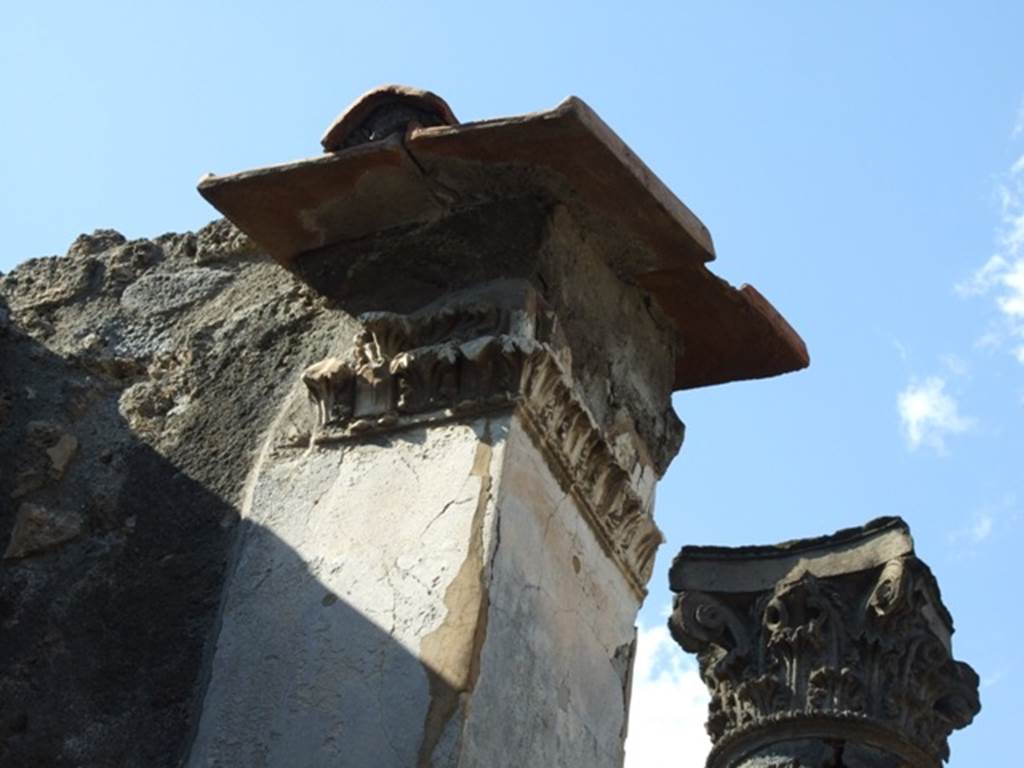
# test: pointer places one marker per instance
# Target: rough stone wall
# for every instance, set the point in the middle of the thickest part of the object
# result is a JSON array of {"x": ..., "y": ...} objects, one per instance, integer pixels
[{"x": 134, "y": 378}]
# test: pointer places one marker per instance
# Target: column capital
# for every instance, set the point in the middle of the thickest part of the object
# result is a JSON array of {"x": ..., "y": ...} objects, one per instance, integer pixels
[{"x": 842, "y": 638}]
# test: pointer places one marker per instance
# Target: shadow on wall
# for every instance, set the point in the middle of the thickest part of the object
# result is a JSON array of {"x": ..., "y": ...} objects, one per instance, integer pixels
[{"x": 110, "y": 583}]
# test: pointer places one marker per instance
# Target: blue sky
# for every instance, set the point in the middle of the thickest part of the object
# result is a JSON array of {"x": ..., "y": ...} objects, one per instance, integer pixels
[{"x": 855, "y": 162}]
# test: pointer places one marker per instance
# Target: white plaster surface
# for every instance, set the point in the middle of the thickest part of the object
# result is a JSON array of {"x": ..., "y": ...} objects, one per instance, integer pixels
[
  {"x": 342, "y": 571},
  {"x": 429, "y": 597},
  {"x": 560, "y": 630}
]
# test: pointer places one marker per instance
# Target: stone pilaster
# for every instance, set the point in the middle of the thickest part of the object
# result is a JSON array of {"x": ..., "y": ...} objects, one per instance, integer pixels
[
  {"x": 823, "y": 652},
  {"x": 466, "y": 553},
  {"x": 449, "y": 528}
]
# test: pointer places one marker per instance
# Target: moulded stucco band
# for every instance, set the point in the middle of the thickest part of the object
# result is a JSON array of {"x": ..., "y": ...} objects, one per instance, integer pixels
[{"x": 465, "y": 358}]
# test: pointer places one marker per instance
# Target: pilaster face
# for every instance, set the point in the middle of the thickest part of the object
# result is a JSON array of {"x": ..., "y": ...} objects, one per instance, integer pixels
[
  {"x": 438, "y": 529},
  {"x": 822, "y": 652}
]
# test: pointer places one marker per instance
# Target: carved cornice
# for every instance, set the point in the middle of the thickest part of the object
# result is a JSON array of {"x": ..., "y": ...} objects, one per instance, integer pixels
[
  {"x": 459, "y": 358},
  {"x": 470, "y": 358},
  {"x": 563, "y": 428},
  {"x": 862, "y": 653}
]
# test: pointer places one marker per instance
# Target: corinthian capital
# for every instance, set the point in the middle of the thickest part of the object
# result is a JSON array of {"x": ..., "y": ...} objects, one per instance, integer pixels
[{"x": 822, "y": 652}]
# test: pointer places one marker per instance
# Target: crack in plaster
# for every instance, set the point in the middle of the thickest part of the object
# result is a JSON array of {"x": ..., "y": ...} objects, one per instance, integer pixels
[
  {"x": 451, "y": 653},
  {"x": 444, "y": 509}
]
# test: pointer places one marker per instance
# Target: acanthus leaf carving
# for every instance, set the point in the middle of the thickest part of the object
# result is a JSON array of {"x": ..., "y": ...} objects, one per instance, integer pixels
[
  {"x": 331, "y": 384},
  {"x": 857, "y": 648}
]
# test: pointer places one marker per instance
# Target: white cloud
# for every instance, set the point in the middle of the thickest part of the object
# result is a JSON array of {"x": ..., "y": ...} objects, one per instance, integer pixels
[
  {"x": 668, "y": 707},
  {"x": 929, "y": 414},
  {"x": 984, "y": 279},
  {"x": 955, "y": 364},
  {"x": 979, "y": 530},
  {"x": 989, "y": 340},
  {"x": 982, "y": 528},
  {"x": 1003, "y": 274},
  {"x": 998, "y": 514},
  {"x": 989, "y": 680},
  {"x": 1012, "y": 301},
  {"x": 900, "y": 348}
]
